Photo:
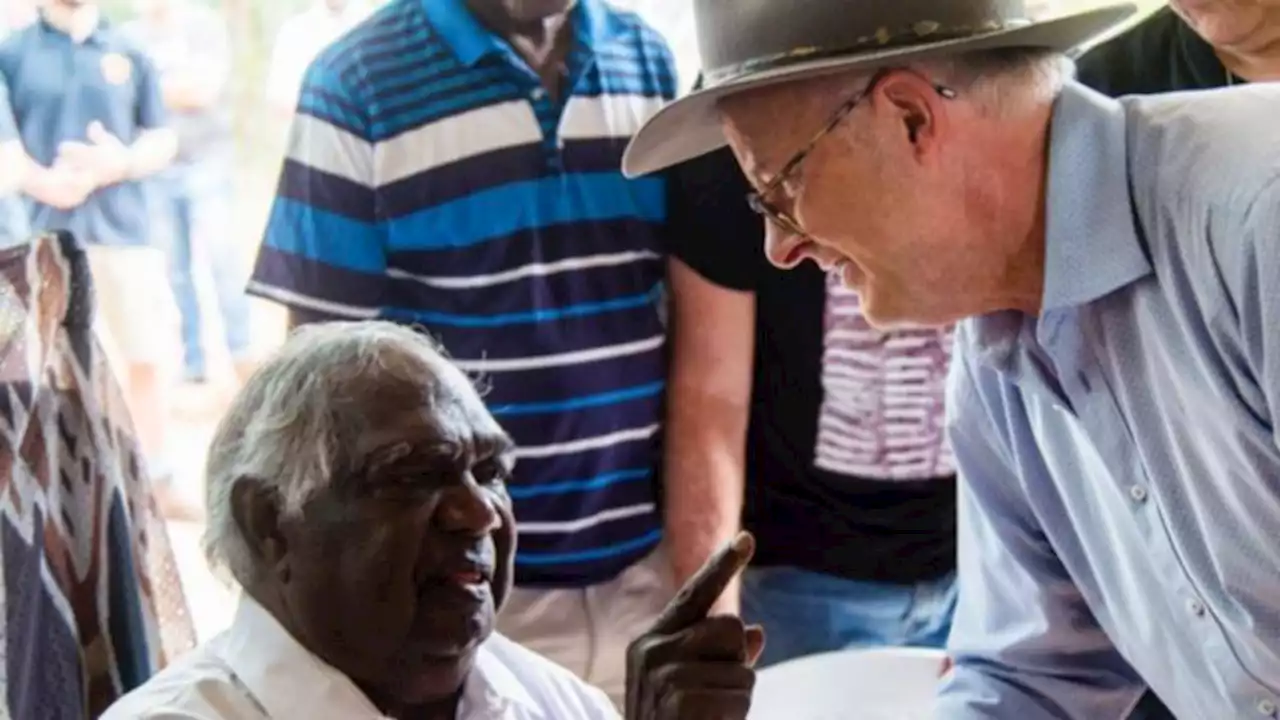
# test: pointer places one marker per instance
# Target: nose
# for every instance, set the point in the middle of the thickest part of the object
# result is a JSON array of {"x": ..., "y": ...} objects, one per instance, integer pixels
[
  {"x": 780, "y": 246},
  {"x": 468, "y": 509}
]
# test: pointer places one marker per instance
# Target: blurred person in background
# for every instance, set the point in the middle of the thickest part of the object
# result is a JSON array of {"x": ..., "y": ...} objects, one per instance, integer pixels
[
  {"x": 300, "y": 40},
  {"x": 89, "y": 112},
  {"x": 16, "y": 15},
  {"x": 790, "y": 415},
  {"x": 14, "y": 226},
  {"x": 1189, "y": 45},
  {"x": 190, "y": 46},
  {"x": 455, "y": 165}
]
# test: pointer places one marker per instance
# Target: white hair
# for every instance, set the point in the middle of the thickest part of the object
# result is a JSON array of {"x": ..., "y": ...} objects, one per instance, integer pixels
[
  {"x": 294, "y": 426},
  {"x": 1004, "y": 81},
  {"x": 1001, "y": 82}
]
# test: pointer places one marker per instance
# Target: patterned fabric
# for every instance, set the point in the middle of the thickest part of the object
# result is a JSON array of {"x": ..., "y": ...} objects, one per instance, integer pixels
[
  {"x": 882, "y": 413},
  {"x": 433, "y": 181},
  {"x": 90, "y": 601}
]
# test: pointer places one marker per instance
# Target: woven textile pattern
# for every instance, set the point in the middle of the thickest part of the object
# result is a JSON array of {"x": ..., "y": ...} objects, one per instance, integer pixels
[{"x": 90, "y": 601}]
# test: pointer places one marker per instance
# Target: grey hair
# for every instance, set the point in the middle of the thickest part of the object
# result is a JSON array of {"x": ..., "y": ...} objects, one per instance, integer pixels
[
  {"x": 1001, "y": 82},
  {"x": 1005, "y": 81},
  {"x": 294, "y": 426}
]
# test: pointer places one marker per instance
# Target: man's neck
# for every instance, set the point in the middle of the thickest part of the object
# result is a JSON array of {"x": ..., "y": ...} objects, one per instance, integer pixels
[
  {"x": 77, "y": 22},
  {"x": 1011, "y": 154},
  {"x": 1253, "y": 67}
]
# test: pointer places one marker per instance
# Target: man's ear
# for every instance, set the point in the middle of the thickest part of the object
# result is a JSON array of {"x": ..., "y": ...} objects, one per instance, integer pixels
[
  {"x": 256, "y": 510},
  {"x": 917, "y": 106}
]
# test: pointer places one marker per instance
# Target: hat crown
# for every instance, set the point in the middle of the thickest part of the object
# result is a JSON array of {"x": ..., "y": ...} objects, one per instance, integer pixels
[{"x": 739, "y": 36}]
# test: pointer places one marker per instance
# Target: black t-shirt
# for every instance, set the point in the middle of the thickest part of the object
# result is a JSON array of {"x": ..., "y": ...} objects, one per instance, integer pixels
[
  {"x": 1160, "y": 54},
  {"x": 854, "y": 527}
]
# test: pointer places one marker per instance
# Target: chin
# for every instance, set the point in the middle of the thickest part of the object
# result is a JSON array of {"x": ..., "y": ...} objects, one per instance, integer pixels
[{"x": 428, "y": 680}]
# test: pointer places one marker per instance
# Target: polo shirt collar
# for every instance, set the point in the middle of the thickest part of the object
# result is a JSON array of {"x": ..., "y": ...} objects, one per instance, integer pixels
[
  {"x": 1091, "y": 245},
  {"x": 470, "y": 40},
  {"x": 95, "y": 36},
  {"x": 288, "y": 681}
]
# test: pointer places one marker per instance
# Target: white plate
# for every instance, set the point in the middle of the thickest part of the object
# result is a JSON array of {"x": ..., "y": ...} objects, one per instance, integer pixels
[{"x": 872, "y": 684}]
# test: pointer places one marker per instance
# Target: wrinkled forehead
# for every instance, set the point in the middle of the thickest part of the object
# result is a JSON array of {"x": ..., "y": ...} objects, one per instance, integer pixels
[{"x": 447, "y": 414}]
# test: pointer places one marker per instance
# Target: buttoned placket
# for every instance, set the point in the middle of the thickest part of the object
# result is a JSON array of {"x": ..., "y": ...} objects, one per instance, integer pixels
[{"x": 1101, "y": 420}]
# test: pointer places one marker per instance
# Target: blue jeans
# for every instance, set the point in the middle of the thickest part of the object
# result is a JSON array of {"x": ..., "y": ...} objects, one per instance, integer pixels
[
  {"x": 804, "y": 613},
  {"x": 200, "y": 198}
]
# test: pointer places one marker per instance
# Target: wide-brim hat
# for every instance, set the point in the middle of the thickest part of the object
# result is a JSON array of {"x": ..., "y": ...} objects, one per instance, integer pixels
[{"x": 747, "y": 44}]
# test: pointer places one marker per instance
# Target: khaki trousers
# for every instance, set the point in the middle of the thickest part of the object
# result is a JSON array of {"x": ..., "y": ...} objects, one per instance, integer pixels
[{"x": 587, "y": 630}]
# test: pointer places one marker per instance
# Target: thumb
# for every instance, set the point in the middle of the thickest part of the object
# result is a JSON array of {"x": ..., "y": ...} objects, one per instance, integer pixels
[
  {"x": 755, "y": 643},
  {"x": 97, "y": 133}
]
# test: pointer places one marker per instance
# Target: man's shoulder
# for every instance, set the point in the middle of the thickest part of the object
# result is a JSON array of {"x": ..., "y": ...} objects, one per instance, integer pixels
[
  {"x": 197, "y": 686},
  {"x": 525, "y": 676},
  {"x": 1212, "y": 146},
  {"x": 15, "y": 43},
  {"x": 357, "y": 58}
]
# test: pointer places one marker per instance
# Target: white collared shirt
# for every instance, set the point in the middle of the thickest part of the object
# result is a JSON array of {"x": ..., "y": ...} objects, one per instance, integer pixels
[{"x": 256, "y": 671}]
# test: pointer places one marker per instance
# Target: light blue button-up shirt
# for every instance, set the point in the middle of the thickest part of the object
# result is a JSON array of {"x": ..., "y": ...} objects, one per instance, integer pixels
[{"x": 1120, "y": 502}]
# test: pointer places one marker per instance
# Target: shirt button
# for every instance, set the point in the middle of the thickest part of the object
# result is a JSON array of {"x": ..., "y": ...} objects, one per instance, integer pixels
[
  {"x": 1266, "y": 708},
  {"x": 538, "y": 93},
  {"x": 1138, "y": 493},
  {"x": 1196, "y": 607}
]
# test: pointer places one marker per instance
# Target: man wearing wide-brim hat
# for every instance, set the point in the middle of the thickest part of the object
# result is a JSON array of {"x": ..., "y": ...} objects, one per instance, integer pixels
[{"x": 1116, "y": 388}]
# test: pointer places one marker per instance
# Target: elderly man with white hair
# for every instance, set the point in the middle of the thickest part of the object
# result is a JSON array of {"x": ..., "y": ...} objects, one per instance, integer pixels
[
  {"x": 1115, "y": 394},
  {"x": 357, "y": 492}
]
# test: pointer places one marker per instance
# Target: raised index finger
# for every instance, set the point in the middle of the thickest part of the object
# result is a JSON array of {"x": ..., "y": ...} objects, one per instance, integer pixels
[{"x": 695, "y": 599}]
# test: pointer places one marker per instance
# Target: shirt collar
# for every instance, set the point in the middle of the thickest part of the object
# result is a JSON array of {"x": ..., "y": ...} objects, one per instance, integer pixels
[
  {"x": 1091, "y": 245},
  {"x": 62, "y": 25},
  {"x": 470, "y": 40},
  {"x": 288, "y": 681}
]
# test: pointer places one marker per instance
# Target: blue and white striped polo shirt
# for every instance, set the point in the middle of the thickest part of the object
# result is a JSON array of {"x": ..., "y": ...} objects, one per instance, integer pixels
[{"x": 431, "y": 180}]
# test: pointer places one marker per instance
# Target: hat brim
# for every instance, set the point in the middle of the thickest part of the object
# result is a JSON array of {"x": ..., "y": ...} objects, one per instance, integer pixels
[{"x": 690, "y": 126}]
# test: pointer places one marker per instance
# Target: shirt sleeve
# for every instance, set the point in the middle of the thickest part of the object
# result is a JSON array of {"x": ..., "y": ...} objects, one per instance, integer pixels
[
  {"x": 8, "y": 127},
  {"x": 324, "y": 248},
  {"x": 1023, "y": 641},
  {"x": 150, "y": 113},
  {"x": 710, "y": 227}
]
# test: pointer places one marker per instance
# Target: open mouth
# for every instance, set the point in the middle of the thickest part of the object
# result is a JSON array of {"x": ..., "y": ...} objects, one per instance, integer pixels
[{"x": 468, "y": 578}]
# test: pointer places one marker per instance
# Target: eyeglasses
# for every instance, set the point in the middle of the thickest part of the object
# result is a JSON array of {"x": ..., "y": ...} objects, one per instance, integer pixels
[{"x": 772, "y": 213}]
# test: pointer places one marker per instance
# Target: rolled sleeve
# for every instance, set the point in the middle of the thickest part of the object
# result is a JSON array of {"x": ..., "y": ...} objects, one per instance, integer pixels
[
  {"x": 324, "y": 249},
  {"x": 1024, "y": 643}
]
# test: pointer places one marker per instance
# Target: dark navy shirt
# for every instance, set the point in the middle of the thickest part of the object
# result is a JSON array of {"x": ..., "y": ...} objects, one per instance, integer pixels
[{"x": 57, "y": 88}]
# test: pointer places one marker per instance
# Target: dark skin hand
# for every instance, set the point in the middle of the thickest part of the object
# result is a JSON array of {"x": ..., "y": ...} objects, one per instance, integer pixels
[{"x": 690, "y": 666}]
